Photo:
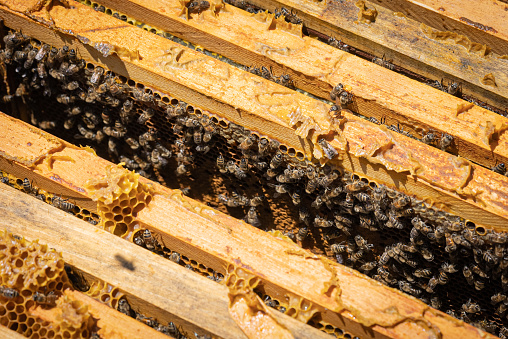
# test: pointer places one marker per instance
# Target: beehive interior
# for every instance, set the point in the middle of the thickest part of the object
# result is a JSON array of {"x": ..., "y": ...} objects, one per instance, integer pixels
[{"x": 399, "y": 240}]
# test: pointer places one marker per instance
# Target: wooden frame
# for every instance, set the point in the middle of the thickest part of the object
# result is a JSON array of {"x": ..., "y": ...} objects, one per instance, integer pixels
[{"x": 467, "y": 190}]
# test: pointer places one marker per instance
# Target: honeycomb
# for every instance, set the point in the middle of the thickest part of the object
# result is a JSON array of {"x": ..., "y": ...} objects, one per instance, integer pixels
[
  {"x": 34, "y": 281},
  {"x": 119, "y": 199},
  {"x": 403, "y": 242}
]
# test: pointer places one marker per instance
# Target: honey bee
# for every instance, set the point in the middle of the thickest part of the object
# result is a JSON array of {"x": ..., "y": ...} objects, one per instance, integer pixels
[
  {"x": 8, "y": 292},
  {"x": 270, "y": 302},
  {"x": 431, "y": 285},
  {"x": 338, "y": 44},
  {"x": 479, "y": 285},
  {"x": 175, "y": 257},
  {"x": 295, "y": 197},
  {"x": 454, "y": 89},
  {"x": 45, "y": 299},
  {"x": 262, "y": 145},
  {"x": 471, "y": 307},
  {"x": 47, "y": 124},
  {"x": 329, "y": 151},
  {"x": 468, "y": 274},
  {"x": 322, "y": 222},
  {"x": 442, "y": 278},
  {"x": 28, "y": 187},
  {"x": 145, "y": 116},
  {"x": 30, "y": 59},
  {"x": 150, "y": 242},
  {"x": 78, "y": 281},
  {"x": 356, "y": 186},
  {"x": 276, "y": 161},
  {"x": 133, "y": 143},
  {"x": 393, "y": 222},
  {"x": 422, "y": 272},
  {"x": 401, "y": 201},
  {"x": 302, "y": 233},
  {"x": 368, "y": 266},
  {"x": 223, "y": 198},
  {"x": 435, "y": 303},
  {"x": 248, "y": 142},
  {"x": 428, "y": 138},
  {"x": 499, "y": 168},
  {"x": 181, "y": 170},
  {"x": 146, "y": 320},
  {"x": 157, "y": 160},
  {"x": 356, "y": 256},
  {"x": 198, "y": 6},
  {"x": 96, "y": 75},
  {"x": 476, "y": 269},
  {"x": 426, "y": 254},
  {"x": 406, "y": 287},
  {"x": 63, "y": 204},
  {"x": 445, "y": 142},
  {"x": 125, "y": 308},
  {"x": 252, "y": 217},
  {"x": 497, "y": 298},
  {"x": 336, "y": 91},
  {"x": 383, "y": 63},
  {"x": 362, "y": 243},
  {"x": 489, "y": 258}
]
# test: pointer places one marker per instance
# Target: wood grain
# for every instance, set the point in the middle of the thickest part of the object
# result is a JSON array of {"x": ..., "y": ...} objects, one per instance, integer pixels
[
  {"x": 317, "y": 68},
  {"x": 401, "y": 38},
  {"x": 10, "y": 334},
  {"x": 482, "y": 21},
  {"x": 156, "y": 280}
]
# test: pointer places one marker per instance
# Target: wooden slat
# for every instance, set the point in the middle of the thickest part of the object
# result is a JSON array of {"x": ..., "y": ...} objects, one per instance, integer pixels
[
  {"x": 317, "y": 68},
  {"x": 401, "y": 39},
  {"x": 265, "y": 106},
  {"x": 482, "y": 21},
  {"x": 156, "y": 280},
  {"x": 10, "y": 334}
]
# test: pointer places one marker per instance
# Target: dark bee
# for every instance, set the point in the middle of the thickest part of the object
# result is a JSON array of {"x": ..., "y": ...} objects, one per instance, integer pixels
[
  {"x": 422, "y": 273},
  {"x": 252, "y": 217},
  {"x": 499, "y": 168},
  {"x": 445, "y": 142},
  {"x": 471, "y": 307},
  {"x": 62, "y": 204},
  {"x": 150, "y": 242},
  {"x": 406, "y": 287},
  {"x": 145, "y": 116},
  {"x": 356, "y": 186},
  {"x": 289, "y": 16},
  {"x": 468, "y": 274},
  {"x": 276, "y": 161},
  {"x": 338, "y": 44},
  {"x": 125, "y": 308},
  {"x": 45, "y": 299},
  {"x": 295, "y": 197},
  {"x": 454, "y": 88},
  {"x": 383, "y": 63},
  {"x": 8, "y": 292},
  {"x": 96, "y": 75},
  {"x": 302, "y": 233},
  {"x": 78, "y": 281},
  {"x": 28, "y": 187},
  {"x": 198, "y": 6},
  {"x": 497, "y": 298},
  {"x": 329, "y": 151},
  {"x": 428, "y": 138}
]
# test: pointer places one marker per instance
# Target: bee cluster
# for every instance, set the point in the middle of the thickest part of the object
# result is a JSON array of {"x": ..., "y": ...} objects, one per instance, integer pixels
[{"x": 383, "y": 233}]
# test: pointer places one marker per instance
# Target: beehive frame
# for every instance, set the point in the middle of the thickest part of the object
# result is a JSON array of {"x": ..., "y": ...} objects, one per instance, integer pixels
[{"x": 464, "y": 195}]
